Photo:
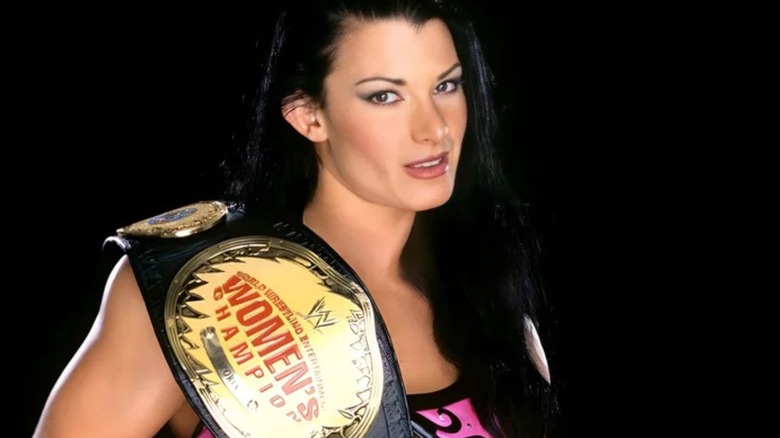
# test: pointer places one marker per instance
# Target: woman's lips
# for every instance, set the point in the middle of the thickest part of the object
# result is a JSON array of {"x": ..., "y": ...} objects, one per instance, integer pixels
[{"x": 428, "y": 168}]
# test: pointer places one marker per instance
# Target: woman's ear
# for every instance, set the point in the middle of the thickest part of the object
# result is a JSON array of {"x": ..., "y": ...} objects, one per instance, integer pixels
[{"x": 303, "y": 115}]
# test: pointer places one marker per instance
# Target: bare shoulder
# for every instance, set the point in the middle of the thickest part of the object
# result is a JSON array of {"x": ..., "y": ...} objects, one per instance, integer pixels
[
  {"x": 118, "y": 382},
  {"x": 122, "y": 299},
  {"x": 122, "y": 277}
]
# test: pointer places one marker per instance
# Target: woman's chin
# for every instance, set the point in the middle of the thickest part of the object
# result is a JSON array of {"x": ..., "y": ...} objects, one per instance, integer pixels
[{"x": 430, "y": 201}]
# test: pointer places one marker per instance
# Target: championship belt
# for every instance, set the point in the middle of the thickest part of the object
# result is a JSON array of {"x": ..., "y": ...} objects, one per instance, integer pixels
[{"x": 267, "y": 330}]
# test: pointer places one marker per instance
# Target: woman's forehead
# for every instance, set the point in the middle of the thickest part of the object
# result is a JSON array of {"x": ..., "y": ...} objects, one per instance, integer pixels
[{"x": 394, "y": 45}]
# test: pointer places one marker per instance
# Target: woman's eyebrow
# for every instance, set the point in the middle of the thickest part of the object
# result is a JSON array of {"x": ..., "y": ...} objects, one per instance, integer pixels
[
  {"x": 449, "y": 70},
  {"x": 401, "y": 82},
  {"x": 398, "y": 82}
]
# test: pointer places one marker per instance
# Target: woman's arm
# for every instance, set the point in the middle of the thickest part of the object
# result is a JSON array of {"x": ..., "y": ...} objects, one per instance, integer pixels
[{"x": 118, "y": 383}]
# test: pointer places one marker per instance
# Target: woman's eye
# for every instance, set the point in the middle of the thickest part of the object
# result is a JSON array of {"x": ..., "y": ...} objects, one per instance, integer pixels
[
  {"x": 384, "y": 97},
  {"x": 448, "y": 86}
]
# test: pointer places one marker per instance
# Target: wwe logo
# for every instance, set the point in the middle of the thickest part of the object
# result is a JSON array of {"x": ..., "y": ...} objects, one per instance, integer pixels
[{"x": 320, "y": 316}]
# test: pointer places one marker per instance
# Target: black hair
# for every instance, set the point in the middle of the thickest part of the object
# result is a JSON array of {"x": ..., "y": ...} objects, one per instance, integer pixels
[{"x": 475, "y": 257}]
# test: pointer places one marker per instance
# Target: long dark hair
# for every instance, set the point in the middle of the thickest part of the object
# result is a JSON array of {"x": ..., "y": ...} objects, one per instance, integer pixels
[{"x": 475, "y": 257}]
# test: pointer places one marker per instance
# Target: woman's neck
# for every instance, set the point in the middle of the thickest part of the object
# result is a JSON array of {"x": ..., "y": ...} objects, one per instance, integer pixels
[{"x": 369, "y": 237}]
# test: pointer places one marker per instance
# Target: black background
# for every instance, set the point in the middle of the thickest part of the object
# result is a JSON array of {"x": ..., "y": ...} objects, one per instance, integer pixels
[{"x": 125, "y": 116}]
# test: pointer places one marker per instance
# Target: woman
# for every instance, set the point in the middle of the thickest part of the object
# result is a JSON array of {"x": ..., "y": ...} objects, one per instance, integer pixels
[{"x": 366, "y": 114}]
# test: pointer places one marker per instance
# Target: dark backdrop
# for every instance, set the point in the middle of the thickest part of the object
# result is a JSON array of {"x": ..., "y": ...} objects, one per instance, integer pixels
[{"x": 126, "y": 116}]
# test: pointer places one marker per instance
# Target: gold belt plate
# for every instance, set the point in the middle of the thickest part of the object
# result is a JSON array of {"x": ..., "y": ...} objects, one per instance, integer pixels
[{"x": 275, "y": 341}]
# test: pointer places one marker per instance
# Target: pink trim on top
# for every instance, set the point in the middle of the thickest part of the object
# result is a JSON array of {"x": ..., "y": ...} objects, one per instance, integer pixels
[{"x": 459, "y": 415}]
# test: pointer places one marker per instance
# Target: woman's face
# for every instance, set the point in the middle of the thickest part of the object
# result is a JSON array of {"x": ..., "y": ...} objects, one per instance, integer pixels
[{"x": 395, "y": 114}]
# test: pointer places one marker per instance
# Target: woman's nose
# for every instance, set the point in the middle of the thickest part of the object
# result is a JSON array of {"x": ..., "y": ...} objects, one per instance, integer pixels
[{"x": 428, "y": 124}]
